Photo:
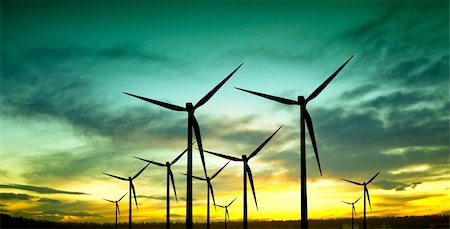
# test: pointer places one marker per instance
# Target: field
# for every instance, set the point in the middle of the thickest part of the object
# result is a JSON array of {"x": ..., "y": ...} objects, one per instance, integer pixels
[{"x": 433, "y": 221}]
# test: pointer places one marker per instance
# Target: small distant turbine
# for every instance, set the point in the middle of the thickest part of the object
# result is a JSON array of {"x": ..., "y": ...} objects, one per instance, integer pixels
[
  {"x": 247, "y": 172},
  {"x": 227, "y": 214},
  {"x": 191, "y": 124},
  {"x": 364, "y": 184},
  {"x": 353, "y": 208},
  {"x": 168, "y": 176},
  {"x": 304, "y": 117},
  {"x": 131, "y": 192},
  {"x": 117, "y": 205},
  {"x": 209, "y": 191}
]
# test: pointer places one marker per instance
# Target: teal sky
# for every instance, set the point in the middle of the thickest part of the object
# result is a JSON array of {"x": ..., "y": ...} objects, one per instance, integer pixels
[{"x": 64, "y": 119}]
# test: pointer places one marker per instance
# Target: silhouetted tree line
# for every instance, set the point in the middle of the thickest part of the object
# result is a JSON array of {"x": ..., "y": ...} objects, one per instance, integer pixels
[{"x": 432, "y": 221}]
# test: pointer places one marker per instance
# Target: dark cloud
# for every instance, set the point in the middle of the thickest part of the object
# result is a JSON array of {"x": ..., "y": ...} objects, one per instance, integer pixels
[
  {"x": 49, "y": 55},
  {"x": 357, "y": 92},
  {"x": 15, "y": 196},
  {"x": 47, "y": 200},
  {"x": 160, "y": 197},
  {"x": 64, "y": 213},
  {"x": 397, "y": 198},
  {"x": 37, "y": 189},
  {"x": 398, "y": 186},
  {"x": 272, "y": 53},
  {"x": 419, "y": 72},
  {"x": 25, "y": 197},
  {"x": 402, "y": 100}
]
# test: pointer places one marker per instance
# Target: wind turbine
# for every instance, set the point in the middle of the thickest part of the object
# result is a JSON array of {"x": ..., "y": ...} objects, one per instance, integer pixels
[
  {"x": 365, "y": 190},
  {"x": 353, "y": 207},
  {"x": 131, "y": 192},
  {"x": 247, "y": 171},
  {"x": 209, "y": 191},
  {"x": 227, "y": 214},
  {"x": 168, "y": 176},
  {"x": 304, "y": 117},
  {"x": 117, "y": 205},
  {"x": 191, "y": 124}
]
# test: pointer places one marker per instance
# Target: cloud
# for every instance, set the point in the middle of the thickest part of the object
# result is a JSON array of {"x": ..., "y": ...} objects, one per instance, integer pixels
[
  {"x": 121, "y": 52},
  {"x": 14, "y": 196},
  {"x": 160, "y": 197},
  {"x": 64, "y": 213},
  {"x": 358, "y": 92},
  {"x": 47, "y": 200},
  {"x": 41, "y": 190},
  {"x": 25, "y": 197},
  {"x": 398, "y": 186}
]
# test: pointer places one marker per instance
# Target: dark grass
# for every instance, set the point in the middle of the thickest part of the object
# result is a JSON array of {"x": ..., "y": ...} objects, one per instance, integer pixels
[{"x": 432, "y": 221}]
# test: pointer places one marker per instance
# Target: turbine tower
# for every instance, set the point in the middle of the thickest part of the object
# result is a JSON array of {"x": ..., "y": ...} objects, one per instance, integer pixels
[
  {"x": 209, "y": 191},
  {"x": 247, "y": 172},
  {"x": 131, "y": 192},
  {"x": 169, "y": 175},
  {"x": 304, "y": 117},
  {"x": 366, "y": 191},
  {"x": 191, "y": 124},
  {"x": 353, "y": 208},
  {"x": 117, "y": 205},
  {"x": 227, "y": 214}
]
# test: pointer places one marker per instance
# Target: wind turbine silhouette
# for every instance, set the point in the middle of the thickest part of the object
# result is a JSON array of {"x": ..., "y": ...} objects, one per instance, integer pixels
[
  {"x": 209, "y": 191},
  {"x": 117, "y": 205},
  {"x": 131, "y": 192},
  {"x": 191, "y": 124},
  {"x": 304, "y": 117},
  {"x": 365, "y": 190},
  {"x": 168, "y": 176},
  {"x": 353, "y": 207},
  {"x": 247, "y": 171},
  {"x": 227, "y": 214}
]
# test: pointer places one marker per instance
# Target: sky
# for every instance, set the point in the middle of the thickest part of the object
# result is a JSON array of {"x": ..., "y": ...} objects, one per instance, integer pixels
[{"x": 65, "y": 120}]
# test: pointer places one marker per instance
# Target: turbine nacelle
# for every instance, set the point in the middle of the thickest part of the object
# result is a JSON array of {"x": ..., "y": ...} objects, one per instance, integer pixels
[
  {"x": 189, "y": 107},
  {"x": 301, "y": 101}
]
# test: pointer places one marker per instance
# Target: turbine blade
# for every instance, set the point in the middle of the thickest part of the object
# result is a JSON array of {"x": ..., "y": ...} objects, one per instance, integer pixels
[
  {"x": 109, "y": 200},
  {"x": 215, "y": 174},
  {"x": 232, "y": 201},
  {"x": 346, "y": 202},
  {"x": 199, "y": 141},
  {"x": 271, "y": 97},
  {"x": 215, "y": 89},
  {"x": 324, "y": 84},
  {"x": 118, "y": 209},
  {"x": 250, "y": 177},
  {"x": 313, "y": 138},
  {"x": 179, "y": 156},
  {"x": 224, "y": 156},
  {"x": 199, "y": 178},
  {"x": 159, "y": 103},
  {"x": 357, "y": 200},
  {"x": 220, "y": 206},
  {"x": 354, "y": 210},
  {"x": 373, "y": 178},
  {"x": 173, "y": 184},
  {"x": 137, "y": 174},
  {"x": 352, "y": 182},
  {"x": 120, "y": 178},
  {"x": 122, "y": 197},
  {"x": 256, "y": 151},
  {"x": 134, "y": 194},
  {"x": 149, "y": 161},
  {"x": 212, "y": 193},
  {"x": 368, "y": 197},
  {"x": 228, "y": 214}
]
